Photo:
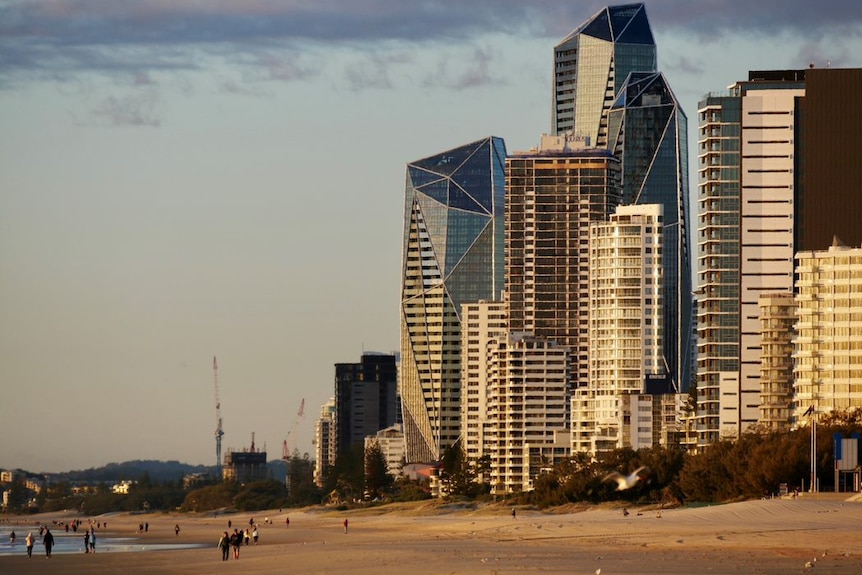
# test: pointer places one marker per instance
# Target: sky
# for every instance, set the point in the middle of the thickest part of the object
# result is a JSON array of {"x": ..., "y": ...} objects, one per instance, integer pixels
[{"x": 186, "y": 179}]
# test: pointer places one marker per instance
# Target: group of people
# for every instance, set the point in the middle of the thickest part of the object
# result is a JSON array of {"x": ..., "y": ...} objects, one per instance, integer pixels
[
  {"x": 234, "y": 541},
  {"x": 47, "y": 540},
  {"x": 90, "y": 541}
]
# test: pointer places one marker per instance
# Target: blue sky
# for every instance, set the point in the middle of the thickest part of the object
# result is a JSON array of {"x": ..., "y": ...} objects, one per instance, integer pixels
[{"x": 186, "y": 179}]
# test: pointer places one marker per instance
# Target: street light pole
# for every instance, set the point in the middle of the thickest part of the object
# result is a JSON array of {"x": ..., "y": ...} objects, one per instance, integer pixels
[{"x": 813, "y": 413}]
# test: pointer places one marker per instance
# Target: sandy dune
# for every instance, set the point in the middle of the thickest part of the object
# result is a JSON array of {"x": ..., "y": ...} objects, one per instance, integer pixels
[{"x": 764, "y": 537}]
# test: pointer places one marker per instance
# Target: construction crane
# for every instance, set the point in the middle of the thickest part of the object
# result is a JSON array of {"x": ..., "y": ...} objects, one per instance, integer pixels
[
  {"x": 287, "y": 449},
  {"x": 219, "y": 432}
]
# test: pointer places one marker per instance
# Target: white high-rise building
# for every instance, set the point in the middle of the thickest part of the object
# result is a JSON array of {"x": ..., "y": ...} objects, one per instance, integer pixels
[
  {"x": 527, "y": 410},
  {"x": 324, "y": 440},
  {"x": 766, "y": 222},
  {"x": 745, "y": 235},
  {"x": 481, "y": 323},
  {"x": 625, "y": 333},
  {"x": 827, "y": 348}
]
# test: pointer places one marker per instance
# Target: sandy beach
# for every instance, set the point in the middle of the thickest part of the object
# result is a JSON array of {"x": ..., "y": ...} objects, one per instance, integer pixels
[{"x": 777, "y": 536}]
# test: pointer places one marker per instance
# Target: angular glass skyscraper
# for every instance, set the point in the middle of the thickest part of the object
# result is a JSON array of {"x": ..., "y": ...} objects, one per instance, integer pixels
[
  {"x": 452, "y": 253},
  {"x": 647, "y": 131},
  {"x": 591, "y": 64}
]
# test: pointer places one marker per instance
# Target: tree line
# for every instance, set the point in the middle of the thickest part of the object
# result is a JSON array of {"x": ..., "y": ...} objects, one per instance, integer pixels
[{"x": 755, "y": 465}]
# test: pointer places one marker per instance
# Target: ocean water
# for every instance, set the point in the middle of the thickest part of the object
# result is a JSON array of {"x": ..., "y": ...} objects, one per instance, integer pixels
[{"x": 74, "y": 543}]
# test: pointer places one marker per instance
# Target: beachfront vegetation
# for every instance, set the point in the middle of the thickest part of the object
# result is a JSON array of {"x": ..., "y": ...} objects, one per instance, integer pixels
[{"x": 758, "y": 464}]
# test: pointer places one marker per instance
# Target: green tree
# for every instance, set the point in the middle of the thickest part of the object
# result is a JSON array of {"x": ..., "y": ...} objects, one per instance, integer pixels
[
  {"x": 457, "y": 472},
  {"x": 346, "y": 477},
  {"x": 261, "y": 495},
  {"x": 301, "y": 487},
  {"x": 378, "y": 481},
  {"x": 211, "y": 497}
]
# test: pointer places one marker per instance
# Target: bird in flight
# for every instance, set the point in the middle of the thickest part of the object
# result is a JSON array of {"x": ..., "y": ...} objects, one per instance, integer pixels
[{"x": 627, "y": 481}]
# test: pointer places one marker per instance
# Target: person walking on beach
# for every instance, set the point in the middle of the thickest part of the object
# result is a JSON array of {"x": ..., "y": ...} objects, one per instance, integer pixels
[
  {"x": 177, "y": 529},
  {"x": 236, "y": 542},
  {"x": 48, "y": 540},
  {"x": 86, "y": 541},
  {"x": 12, "y": 538},
  {"x": 254, "y": 534},
  {"x": 345, "y": 525},
  {"x": 92, "y": 540},
  {"x": 224, "y": 545},
  {"x": 514, "y": 513},
  {"x": 287, "y": 521},
  {"x": 29, "y": 541}
]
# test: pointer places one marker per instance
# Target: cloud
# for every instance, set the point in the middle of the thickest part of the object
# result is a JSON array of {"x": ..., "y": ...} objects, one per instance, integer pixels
[
  {"x": 134, "y": 109},
  {"x": 476, "y": 72},
  {"x": 63, "y": 38},
  {"x": 764, "y": 17},
  {"x": 370, "y": 73},
  {"x": 686, "y": 65}
]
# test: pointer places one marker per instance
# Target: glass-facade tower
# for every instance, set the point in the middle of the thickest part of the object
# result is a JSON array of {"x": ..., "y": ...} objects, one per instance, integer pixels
[
  {"x": 591, "y": 64},
  {"x": 452, "y": 253},
  {"x": 718, "y": 197},
  {"x": 647, "y": 131}
]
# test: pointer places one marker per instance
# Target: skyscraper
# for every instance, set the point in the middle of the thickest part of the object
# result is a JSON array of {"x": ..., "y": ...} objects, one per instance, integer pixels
[
  {"x": 648, "y": 132},
  {"x": 452, "y": 253},
  {"x": 829, "y": 194},
  {"x": 746, "y": 197},
  {"x": 365, "y": 398},
  {"x": 554, "y": 193},
  {"x": 591, "y": 64},
  {"x": 718, "y": 261},
  {"x": 625, "y": 333},
  {"x": 324, "y": 441},
  {"x": 778, "y": 173}
]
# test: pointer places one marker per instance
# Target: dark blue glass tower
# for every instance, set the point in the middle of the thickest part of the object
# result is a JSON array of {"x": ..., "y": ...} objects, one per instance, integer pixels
[
  {"x": 453, "y": 245},
  {"x": 647, "y": 131}
]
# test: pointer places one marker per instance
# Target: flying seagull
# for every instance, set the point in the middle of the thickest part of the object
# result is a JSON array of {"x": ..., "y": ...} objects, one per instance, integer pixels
[{"x": 627, "y": 482}]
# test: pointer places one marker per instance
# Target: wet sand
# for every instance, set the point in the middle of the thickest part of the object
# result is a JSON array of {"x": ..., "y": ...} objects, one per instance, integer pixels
[{"x": 776, "y": 536}]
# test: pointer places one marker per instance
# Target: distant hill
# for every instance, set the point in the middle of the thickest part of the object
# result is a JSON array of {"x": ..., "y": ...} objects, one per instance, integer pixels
[{"x": 159, "y": 471}]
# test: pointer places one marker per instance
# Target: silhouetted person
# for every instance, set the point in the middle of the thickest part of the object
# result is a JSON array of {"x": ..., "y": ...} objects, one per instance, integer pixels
[
  {"x": 345, "y": 525},
  {"x": 48, "y": 540},
  {"x": 177, "y": 529},
  {"x": 86, "y": 541},
  {"x": 236, "y": 542},
  {"x": 224, "y": 545}
]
